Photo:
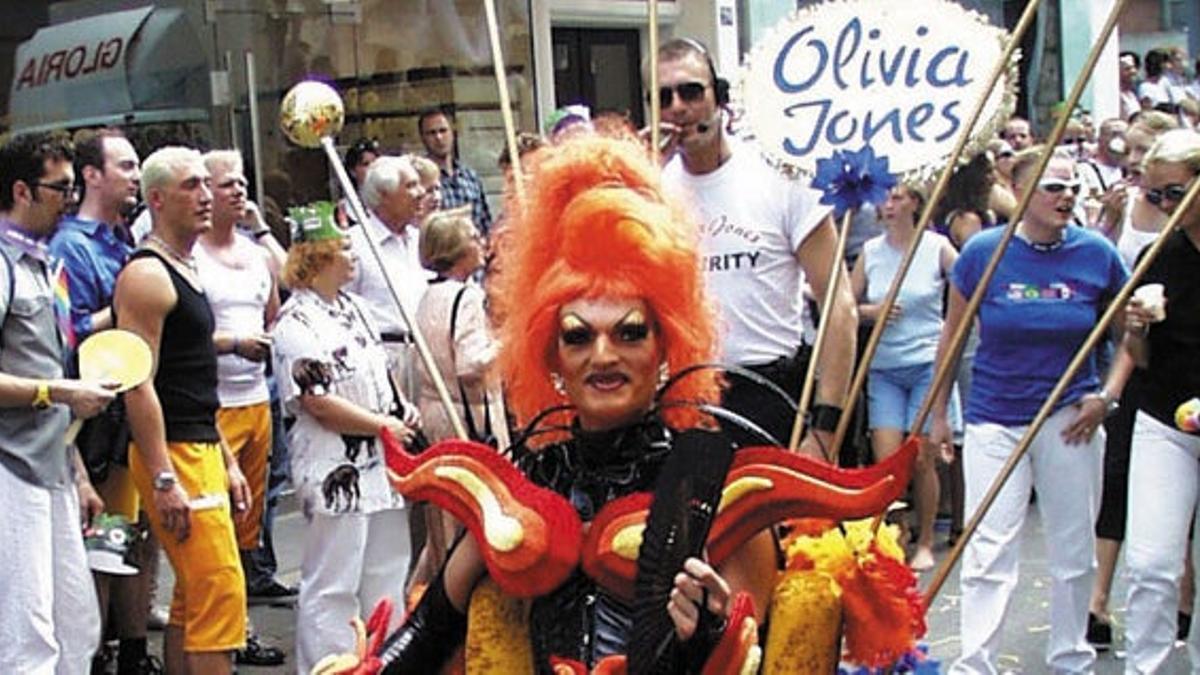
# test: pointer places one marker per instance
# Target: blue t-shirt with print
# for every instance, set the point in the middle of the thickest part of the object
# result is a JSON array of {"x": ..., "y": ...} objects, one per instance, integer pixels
[{"x": 1037, "y": 311}]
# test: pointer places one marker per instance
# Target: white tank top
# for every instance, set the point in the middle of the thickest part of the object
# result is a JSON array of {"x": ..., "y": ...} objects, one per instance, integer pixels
[
  {"x": 238, "y": 297},
  {"x": 1132, "y": 241}
]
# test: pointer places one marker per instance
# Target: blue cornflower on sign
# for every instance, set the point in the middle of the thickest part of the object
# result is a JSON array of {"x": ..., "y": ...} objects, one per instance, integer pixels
[{"x": 851, "y": 178}]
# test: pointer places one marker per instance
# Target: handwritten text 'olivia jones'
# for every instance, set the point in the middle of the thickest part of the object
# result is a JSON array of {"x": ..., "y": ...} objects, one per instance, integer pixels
[{"x": 899, "y": 79}]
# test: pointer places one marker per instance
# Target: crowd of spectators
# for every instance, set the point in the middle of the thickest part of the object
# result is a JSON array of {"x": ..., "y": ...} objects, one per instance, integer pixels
[{"x": 244, "y": 383}]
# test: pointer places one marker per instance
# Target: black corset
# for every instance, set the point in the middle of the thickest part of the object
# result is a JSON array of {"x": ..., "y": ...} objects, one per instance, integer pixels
[{"x": 579, "y": 619}]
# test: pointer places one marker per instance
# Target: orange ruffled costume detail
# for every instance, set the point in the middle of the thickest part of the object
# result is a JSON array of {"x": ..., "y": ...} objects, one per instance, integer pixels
[{"x": 884, "y": 614}]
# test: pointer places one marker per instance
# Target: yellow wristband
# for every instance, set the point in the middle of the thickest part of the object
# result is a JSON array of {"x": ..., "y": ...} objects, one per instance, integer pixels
[{"x": 41, "y": 400}]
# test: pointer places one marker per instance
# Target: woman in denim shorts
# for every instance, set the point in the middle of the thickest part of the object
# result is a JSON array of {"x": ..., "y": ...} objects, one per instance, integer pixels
[{"x": 903, "y": 365}]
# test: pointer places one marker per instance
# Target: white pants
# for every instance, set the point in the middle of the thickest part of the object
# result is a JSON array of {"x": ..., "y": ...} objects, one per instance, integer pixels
[
  {"x": 1067, "y": 478},
  {"x": 49, "y": 618},
  {"x": 351, "y": 561},
  {"x": 1164, "y": 475}
]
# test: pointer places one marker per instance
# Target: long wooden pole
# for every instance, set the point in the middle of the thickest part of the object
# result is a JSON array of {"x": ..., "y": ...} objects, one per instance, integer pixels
[
  {"x": 1064, "y": 381},
  {"x": 655, "y": 104},
  {"x": 889, "y": 300},
  {"x": 360, "y": 215},
  {"x": 810, "y": 376},
  {"x": 514, "y": 154},
  {"x": 510, "y": 127}
]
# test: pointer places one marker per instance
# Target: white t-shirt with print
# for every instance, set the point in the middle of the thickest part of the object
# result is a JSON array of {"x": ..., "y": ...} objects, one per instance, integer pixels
[
  {"x": 333, "y": 473},
  {"x": 752, "y": 221}
]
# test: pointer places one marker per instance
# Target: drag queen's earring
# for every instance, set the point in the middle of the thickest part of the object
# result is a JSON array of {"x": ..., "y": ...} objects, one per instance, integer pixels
[{"x": 559, "y": 385}]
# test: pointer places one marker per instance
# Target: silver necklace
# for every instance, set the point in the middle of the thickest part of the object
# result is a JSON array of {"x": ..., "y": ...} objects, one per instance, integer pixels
[{"x": 187, "y": 261}]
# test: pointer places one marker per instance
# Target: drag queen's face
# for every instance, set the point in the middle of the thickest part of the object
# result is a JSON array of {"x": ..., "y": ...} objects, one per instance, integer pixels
[{"x": 608, "y": 355}]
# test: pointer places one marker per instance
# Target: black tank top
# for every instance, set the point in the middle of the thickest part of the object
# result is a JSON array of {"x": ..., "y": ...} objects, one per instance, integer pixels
[{"x": 186, "y": 381}]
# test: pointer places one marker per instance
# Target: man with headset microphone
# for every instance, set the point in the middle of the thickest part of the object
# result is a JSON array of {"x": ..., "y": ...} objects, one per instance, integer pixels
[{"x": 763, "y": 235}]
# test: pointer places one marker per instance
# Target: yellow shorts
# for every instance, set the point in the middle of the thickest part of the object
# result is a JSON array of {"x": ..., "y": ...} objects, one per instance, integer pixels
[
  {"x": 247, "y": 430},
  {"x": 209, "y": 601}
]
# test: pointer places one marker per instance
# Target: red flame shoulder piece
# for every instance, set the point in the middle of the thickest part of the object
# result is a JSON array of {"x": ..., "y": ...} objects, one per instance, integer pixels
[
  {"x": 529, "y": 536},
  {"x": 769, "y": 485}
]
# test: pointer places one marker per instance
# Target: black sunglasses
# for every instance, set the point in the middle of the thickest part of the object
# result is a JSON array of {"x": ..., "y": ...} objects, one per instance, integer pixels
[
  {"x": 688, "y": 92},
  {"x": 1173, "y": 192}
]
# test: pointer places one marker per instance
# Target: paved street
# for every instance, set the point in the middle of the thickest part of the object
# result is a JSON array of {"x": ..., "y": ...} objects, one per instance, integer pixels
[{"x": 1025, "y": 631}]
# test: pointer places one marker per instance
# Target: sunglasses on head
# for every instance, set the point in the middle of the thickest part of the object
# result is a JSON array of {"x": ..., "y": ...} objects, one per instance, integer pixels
[
  {"x": 688, "y": 92},
  {"x": 1055, "y": 186},
  {"x": 1173, "y": 192}
]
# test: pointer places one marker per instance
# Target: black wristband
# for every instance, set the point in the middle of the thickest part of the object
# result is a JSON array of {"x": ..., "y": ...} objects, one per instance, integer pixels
[
  {"x": 824, "y": 417},
  {"x": 260, "y": 234}
]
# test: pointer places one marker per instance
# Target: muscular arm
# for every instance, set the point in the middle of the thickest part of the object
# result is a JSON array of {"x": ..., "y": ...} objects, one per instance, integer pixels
[
  {"x": 144, "y": 296},
  {"x": 837, "y": 357}
]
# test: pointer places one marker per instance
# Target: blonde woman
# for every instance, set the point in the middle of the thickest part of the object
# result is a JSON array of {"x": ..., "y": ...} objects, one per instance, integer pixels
[
  {"x": 452, "y": 316},
  {"x": 1164, "y": 473}
]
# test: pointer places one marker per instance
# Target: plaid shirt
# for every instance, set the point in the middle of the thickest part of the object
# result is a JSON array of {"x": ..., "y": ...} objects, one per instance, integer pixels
[{"x": 462, "y": 186}]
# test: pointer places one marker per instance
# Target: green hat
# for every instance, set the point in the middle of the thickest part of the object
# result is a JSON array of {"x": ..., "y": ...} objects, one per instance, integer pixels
[
  {"x": 107, "y": 543},
  {"x": 314, "y": 222}
]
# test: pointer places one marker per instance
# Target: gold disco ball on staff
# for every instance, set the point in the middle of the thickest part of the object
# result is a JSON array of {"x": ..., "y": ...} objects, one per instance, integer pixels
[
  {"x": 311, "y": 115},
  {"x": 310, "y": 111}
]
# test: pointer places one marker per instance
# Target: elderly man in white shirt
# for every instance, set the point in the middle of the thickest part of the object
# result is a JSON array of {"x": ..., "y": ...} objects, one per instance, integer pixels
[{"x": 392, "y": 194}]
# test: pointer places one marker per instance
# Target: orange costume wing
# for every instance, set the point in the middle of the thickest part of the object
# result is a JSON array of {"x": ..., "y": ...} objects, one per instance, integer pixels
[
  {"x": 764, "y": 486},
  {"x": 529, "y": 536}
]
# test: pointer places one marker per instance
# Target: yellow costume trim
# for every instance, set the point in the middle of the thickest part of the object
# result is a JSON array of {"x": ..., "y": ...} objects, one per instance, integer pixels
[
  {"x": 741, "y": 487},
  {"x": 628, "y": 541},
  {"x": 497, "y": 633},
  {"x": 806, "y": 622},
  {"x": 503, "y": 532}
]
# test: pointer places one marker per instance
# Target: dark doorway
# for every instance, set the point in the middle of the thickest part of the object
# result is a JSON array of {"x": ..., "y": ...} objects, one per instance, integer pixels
[{"x": 599, "y": 68}]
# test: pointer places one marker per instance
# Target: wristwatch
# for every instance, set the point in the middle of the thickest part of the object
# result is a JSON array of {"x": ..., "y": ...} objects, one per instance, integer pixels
[
  {"x": 1110, "y": 402},
  {"x": 165, "y": 480},
  {"x": 41, "y": 399}
]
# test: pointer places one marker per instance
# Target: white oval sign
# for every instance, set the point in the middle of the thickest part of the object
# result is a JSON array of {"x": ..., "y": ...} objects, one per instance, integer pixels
[{"x": 902, "y": 77}]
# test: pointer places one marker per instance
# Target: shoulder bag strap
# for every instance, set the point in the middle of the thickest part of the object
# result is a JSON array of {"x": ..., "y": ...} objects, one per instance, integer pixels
[{"x": 468, "y": 417}]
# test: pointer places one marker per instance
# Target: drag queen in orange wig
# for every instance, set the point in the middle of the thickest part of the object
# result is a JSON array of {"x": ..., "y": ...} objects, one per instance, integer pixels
[
  {"x": 596, "y": 225},
  {"x": 626, "y": 531}
]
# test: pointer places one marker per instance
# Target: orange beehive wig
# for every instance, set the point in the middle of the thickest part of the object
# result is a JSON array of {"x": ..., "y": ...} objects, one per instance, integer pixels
[{"x": 595, "y": 223}]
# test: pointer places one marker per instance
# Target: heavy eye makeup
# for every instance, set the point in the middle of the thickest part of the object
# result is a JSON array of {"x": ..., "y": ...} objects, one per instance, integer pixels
[{"x": 631, "y": 328}]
